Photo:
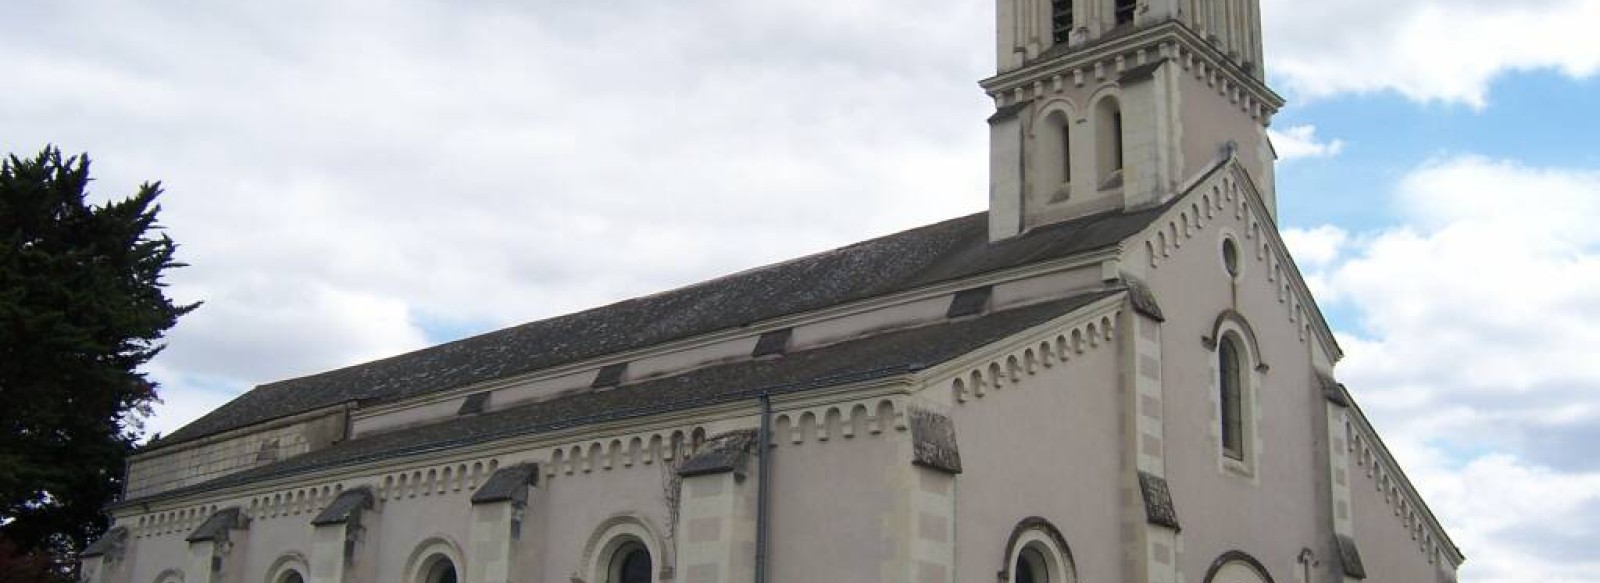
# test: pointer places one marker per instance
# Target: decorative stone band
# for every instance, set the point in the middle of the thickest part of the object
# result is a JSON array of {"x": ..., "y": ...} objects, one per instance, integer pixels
[
  {"x": 1158, "y": 508},
  {"x": 508, "y": 484},
  {"x": 1350, "y": 557},
  {"x": 216, "y": 527},
  {"x": 1070, "y": 342},
  {"x": 1009, "y": 89}
]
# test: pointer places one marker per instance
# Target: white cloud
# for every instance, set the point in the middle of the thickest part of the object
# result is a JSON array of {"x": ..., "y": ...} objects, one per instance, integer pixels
[
  {"x": 1301, "y": 141},
  {"x": 1475, "y": 353},
  {"x": 1427, "y": 50},
  {"x": 341, "y": 185}
]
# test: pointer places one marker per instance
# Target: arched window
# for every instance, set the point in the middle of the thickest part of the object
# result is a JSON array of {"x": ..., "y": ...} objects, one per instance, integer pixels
[
  {"x": 438, "y": 569},
  {"x": 1031, "y": 567},
  {"x": 1037, "y": 553},
  {"x": 1108, "y": 135},
  {"x": 1052, "y": 142},
  {"x": 623, "y": 550},
  {"x": 1236, "y": 567},
  {"x": 289, "y": 568},
  {"x": 1123, "y": 11},
  {"x": 1231, "y": 387},
  {"x": 630, "y": 564},
  {"x": 1061, "y": 21}
]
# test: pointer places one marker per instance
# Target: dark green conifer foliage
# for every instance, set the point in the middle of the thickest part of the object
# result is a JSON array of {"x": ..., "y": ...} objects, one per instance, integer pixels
[{"x": 82, "y": 307}]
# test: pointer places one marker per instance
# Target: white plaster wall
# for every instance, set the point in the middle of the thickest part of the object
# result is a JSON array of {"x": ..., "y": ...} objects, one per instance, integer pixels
[
  {"x": 1045, "y": 287},
  {"x": 1270, "y": 515},
  {"x": 567, "y": 510},
  {"x": 864, "y": 324},
  {"x": 1280, "y": 508},
  {"x": 407, "y": 417},
  {"x": 1048, "y": 447},
  {"x": 834, "y": 507},
  {"x": 1210, "y": 120}
]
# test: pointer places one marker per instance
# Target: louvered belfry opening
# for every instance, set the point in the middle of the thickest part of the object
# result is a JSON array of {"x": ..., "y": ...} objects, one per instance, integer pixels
[{"x": 1061, "y": 20}]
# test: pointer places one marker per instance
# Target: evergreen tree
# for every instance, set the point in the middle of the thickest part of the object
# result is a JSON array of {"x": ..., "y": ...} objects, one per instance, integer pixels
[{"x": 82, "y": 307}]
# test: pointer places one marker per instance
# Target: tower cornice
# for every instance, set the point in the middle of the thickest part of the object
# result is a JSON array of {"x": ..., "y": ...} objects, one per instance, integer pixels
[{"x": 1113, "y": 56}]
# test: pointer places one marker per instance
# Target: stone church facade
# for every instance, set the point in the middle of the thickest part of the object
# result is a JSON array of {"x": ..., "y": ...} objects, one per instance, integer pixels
[{"x": 1116, "y": 373}]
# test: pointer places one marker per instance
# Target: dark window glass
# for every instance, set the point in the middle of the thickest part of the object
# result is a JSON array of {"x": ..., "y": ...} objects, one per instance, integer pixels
[
  {"x": 1031, "y": 568},
  {"x": 442, "y": 571},
  {"x": 1230, "y": 257},
  {"x": 1060, "y": 20},
  {"x": 1066, "y": 151},
  {"x": 1232, "y": 401},
  {"x": 1116, "y": 137},
  {"x": 1124, "y": 11},
  {"x": 294, "y": 578},
  {"x": 635, "y": 566}
]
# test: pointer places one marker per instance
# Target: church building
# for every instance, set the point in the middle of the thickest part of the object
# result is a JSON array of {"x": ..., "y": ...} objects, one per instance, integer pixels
[{"x": 1114, "y": 374}]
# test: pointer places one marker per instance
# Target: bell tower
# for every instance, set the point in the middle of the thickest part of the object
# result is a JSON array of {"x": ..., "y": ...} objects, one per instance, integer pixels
[{"x": 1106, "y": 105}]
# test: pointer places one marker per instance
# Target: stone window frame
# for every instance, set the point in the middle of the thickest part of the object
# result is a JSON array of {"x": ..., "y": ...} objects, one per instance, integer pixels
[
  {"x": 615, "y": 534},
  {"x": 1232, "y": 326},
  {"x": 1231, "y": 562},
  {"x": 288, "y": 564},
  {"x": 1039, "y": 536},
  {"x": 428, "y": 553},
  {"x": 169, "y": 576},
  {"x": 1108, "y": 139},
  {"x": 1053, "y": 135}
]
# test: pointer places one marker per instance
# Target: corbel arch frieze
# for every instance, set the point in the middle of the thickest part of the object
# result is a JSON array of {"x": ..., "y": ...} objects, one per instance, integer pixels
[
  {"x": 844, "y": 419},
  {"x": 1059, "y": 346},
  {"x": 1226, "y": 196}
]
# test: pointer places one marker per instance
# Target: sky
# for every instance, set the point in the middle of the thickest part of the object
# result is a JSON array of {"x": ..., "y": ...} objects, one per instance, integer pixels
[{"x": 352, "y": 180}]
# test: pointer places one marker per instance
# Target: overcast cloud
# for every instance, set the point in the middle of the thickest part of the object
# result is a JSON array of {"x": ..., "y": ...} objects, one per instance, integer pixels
[{"x": 353, "y": 181}]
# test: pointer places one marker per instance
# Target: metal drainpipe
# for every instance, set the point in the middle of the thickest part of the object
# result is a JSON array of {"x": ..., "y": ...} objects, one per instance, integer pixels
[{"x": 763, "y": 472}]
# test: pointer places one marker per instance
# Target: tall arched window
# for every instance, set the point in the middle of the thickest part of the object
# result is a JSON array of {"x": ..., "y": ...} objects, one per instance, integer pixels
[
  {"x": 1123, "y": 11},
  {"x": 1108, "y": 135},
  {"x": 1061, "y": 21},
  {"x": 1231, "y": 396},
  {"x": 1053, "y": 156},
  {"x": 1031, "y": 567},
  {"x": 1037, "y": 553},
  {"x": 1237, "y": 567},
  {"x": 629, "y": 564},
  {"x": 439, "y": 569}
]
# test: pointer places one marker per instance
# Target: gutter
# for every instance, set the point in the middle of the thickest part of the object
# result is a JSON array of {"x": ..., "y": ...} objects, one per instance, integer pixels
[{"x": 763, "y": 485}]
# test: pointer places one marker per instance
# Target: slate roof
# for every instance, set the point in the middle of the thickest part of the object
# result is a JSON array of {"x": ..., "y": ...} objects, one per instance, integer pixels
[
  {"x": 216, "y": 526},
  {"x": 346, "y": 506},
  {"x": 876, "y": 357},
  {"x": 926, "y": 255}
]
